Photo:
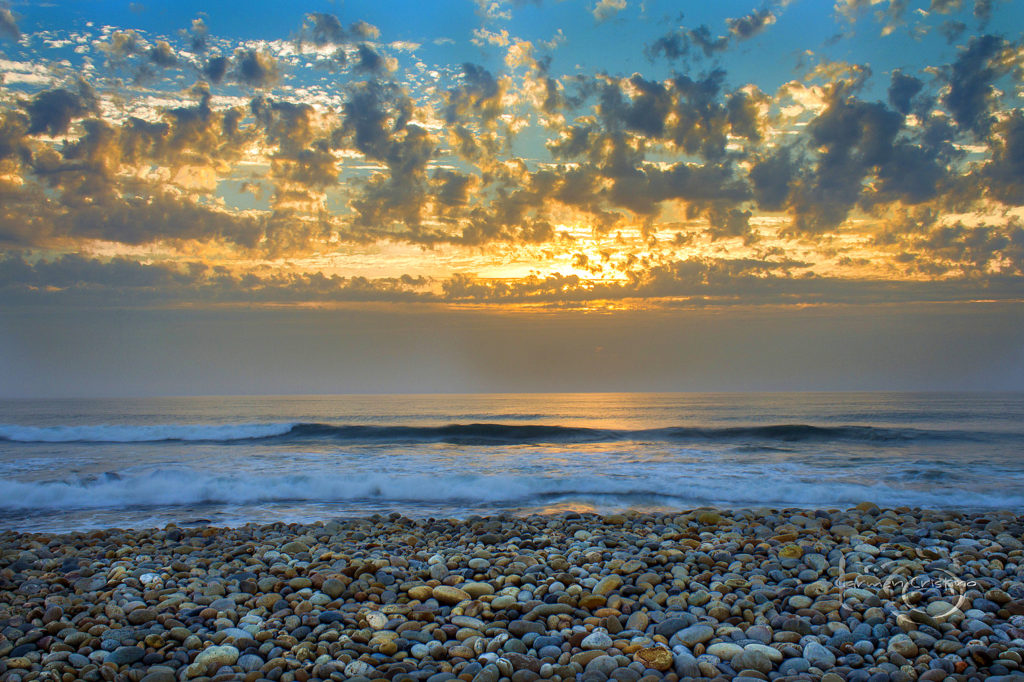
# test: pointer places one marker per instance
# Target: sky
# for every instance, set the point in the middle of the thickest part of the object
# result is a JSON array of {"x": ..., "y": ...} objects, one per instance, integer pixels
[{"x": 510, "y": 195}]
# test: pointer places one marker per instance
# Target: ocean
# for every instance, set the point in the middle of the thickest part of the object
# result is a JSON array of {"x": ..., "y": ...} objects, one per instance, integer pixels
[{"x": 69, "y": 465}]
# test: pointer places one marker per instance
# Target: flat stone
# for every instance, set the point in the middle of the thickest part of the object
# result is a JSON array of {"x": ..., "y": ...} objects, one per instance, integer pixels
[
  {"x": 752, "y": 660},
  {"x": 333, "y": 588},
  {"x": 903, "y": 645},
  {"x": 794, "y": 666},
  {"x": 791, "y": 552},
  {"x": 771, "y": 653},
  {"x": 724, "y": 650},
  {"x": 477, "y": 590},
  {"x": 671, "y": 626},
  {"x": 250, "y": 662},
  {"x": 607, "y": 584},
  {"x": 163, "y": 674},
  {"x": 125, "y": 655},
  {"x": 450, "y": 595},
  {"x": 818, "y": 656},
  {"x": 602, "y": 664},
  {"x": 597, "y": 640},
  {"x": 140, "y": 616},
  {"x": 686, "y": 665},
  {"x": 695, "y": 634},
  {"x": 219, "y": 655}
]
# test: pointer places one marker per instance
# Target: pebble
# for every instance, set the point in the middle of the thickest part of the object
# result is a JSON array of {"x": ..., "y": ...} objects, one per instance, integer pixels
[
  {"x": 818, "y": 656},
  {"x": 742, "y": 594},
  {"x": 597, "y": 640},
  {"x": 695, "y": 634}
]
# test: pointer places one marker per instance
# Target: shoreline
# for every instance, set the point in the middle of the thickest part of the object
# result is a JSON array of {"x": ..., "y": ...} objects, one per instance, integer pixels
[{"x": 857, "y": 594}]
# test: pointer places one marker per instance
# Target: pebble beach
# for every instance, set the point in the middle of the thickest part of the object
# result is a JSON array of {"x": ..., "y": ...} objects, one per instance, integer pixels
[{"x": 769, "y": 594}]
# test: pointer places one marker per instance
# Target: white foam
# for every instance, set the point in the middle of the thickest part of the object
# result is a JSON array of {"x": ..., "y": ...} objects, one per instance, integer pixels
[
  {"x": 171, "y": 488},
  {"x": 106, "y": 433}
]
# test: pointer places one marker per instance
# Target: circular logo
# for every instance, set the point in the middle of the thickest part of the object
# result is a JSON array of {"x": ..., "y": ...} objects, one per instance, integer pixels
[{"x": 926, "y": 585}]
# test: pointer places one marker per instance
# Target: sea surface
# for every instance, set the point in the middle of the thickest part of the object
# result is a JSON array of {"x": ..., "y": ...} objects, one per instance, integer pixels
[{"x": 70, "y": 465}]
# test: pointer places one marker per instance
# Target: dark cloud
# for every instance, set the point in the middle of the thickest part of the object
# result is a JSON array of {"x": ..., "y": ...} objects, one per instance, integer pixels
[
  {"x": 645, "y": 112},
  {"x": 256, "y": 69},
  {"x": 14, "y": 127},
  {"x": 718, "y": 281},
  {"x": 702, "y": 38},
  {"x": 977, "y": 249},
  {"x": 321, "y": 28},
  {"x": 701, "y": 121},
  {"x": 286, "y": 126},
  {"x": 750, "y": 25},
  {"x": 369, "y": 60},
  {"x": 324, "y": 29},
  {"x": 911, "y": 174},
  {"x": 479, "y": 96},
  {"x": 773, "y": 178},
  {"x": 8, "y": 25},
  {"x": 364, "y": 31},
  {"x": 198, "y": 36},
  {"x": 673, "y": 45},
  {"x": 313, "y": 168},
  {"x": 856, "y": 138},
  {"x": 399, "y": 196},
  {"x": 52, "y": 111},
  {"x": 452, "y": 188},
  {"x": 971, "y": 88},
  {"x": 952, "y": 30},
  {"x": 77, "y": 279},
  {"x": 574, "y": 142},
  {"x": 162, "y": 54},
  {"x": 1004, "y": 173},
  {"x": 373, "y": 115},
  {"x": 377, "y": 123},
  {"x": 216, "y": 68},
  {"x": 682, "y": 43},
  {"x": 983, "y": 10},
  {"x": 902, "y": 90},
  {"x": 743, "y": 116},
  {"x": 122, "y": 44}
]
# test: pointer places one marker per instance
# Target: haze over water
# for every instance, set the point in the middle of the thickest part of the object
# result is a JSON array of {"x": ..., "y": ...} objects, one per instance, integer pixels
[{"x": 74, "y": 464}]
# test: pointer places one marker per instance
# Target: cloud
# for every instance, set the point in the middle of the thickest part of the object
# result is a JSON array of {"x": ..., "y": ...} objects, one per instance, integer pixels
[
  {"x": 8, "y": 24},
  {"x": 748, "y": 26},
  {"x": 52, "y": 111},
  {"x": 971, "y": 90},
  {"x": 80, "y": 280},
  {"x": 256, "y": 69},
  {"x": 121, "y": 45},
  {"x": 479, "y": 96},
  {"x": 680, "y": 44},
  {"x": 322, "y": 28},
  {"x": 606, "y": 9},
  {"x": 1004, "y": 172},
  {"x": 773, "y": 178},
  {"x": 198, "y": 36},
  {"x": 902, "y": 90},
  {"x": 325, "y": 29},
  {"x": 528, "y": 167},
  {"x": 216, "y": 68},
  {"x": 744, "y": 115},
  {"x": 162, "y": 55},
  {"x": 372, "y": 62}
]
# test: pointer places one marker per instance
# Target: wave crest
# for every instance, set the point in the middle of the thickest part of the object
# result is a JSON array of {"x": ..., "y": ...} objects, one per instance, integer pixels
[{"x": 465, "y": 434}]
